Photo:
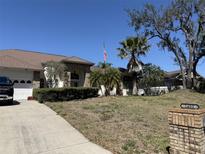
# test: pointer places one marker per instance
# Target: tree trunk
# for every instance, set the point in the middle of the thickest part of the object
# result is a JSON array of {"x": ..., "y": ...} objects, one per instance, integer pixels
[
  {"x": 102, "y": 90},
  {"x": 190, "y": 66},
  {"x": 107, "y": 92},
  {"x": 180, "y": 58},
  {"x": 190, "y": 80},
  {"x": 134, "y": 89},
  {"x": 184, "y": 81},
  {"x": 183, "y": 71},
  {"x": 195, "y": 62}
]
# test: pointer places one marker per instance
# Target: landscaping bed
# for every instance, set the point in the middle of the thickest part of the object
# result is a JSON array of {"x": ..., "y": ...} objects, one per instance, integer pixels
[{"x": 126, "y": 125}]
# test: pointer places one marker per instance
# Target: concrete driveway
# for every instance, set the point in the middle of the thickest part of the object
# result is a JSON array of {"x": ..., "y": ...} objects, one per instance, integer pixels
[{"x": 33, "y": 128}]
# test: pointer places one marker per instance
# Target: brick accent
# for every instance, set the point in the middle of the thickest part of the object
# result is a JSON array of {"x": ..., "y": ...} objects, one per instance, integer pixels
[{"x": 187, "y": 131}]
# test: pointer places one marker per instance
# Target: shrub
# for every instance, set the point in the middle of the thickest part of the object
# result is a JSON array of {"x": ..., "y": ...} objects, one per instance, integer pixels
[
  {"x": 201, "y": 86},
  {"x": 63, "y": 94},
  {"x": 105, "y": 75}
]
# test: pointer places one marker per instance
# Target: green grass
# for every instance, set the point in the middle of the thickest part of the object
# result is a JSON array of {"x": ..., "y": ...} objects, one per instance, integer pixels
[{"x": 126, "y": 125}]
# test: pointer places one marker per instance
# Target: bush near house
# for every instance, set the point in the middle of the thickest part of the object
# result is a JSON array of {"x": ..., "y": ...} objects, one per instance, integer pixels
[
  {"x": 64, "y": 94},
  {"x": 104, "y": 74}
]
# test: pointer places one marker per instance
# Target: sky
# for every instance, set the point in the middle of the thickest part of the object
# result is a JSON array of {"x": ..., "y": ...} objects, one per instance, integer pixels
[{"x": 76, "y": 28}]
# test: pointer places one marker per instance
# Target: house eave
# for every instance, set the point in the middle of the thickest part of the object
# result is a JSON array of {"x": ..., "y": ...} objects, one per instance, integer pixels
[{"x": 23, "y": 68}]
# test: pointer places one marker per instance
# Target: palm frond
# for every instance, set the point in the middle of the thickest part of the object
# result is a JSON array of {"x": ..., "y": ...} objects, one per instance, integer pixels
[{"x": 133, "y": 47}]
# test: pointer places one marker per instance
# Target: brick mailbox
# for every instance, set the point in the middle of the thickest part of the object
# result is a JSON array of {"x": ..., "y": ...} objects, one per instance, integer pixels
[{"x": 187, "y": 130}]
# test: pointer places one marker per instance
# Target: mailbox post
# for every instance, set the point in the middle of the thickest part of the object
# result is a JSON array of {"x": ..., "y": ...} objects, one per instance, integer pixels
[{"x": 187, "y": 129}]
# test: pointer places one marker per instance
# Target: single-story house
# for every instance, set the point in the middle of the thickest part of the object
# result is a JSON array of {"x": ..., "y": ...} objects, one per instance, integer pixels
[
  {"x": 25, "y": 70},
  {"x": 173, "y": 78},
  {"x": 171, "y": 81}
]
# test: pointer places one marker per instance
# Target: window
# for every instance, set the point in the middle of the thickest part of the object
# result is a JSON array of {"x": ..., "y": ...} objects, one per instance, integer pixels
[
  {"x": 16, "y": 81},
  {"x": 22, "y": 81},
  {"x": 74, "y": 76},
  {"x": 36, "y": 75},
  {"x": 29, "y": 82},
  {"x": 74, "y": 79}
]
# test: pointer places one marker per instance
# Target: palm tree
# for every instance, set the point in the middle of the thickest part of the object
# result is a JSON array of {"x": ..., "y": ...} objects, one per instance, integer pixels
[
  {"x": 112, "y": 78},
  {"x": 107, "y": 76},
  {"x": 132, "y": 48},
  {"x": 53, "y": 72}
]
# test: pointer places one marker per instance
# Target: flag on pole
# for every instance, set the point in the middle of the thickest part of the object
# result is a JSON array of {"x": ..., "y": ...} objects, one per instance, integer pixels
[{"x": 105, "y": 55}]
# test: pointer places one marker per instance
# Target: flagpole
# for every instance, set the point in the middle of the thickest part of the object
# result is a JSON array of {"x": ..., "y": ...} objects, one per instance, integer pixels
[{"x": 104, "y": 51}]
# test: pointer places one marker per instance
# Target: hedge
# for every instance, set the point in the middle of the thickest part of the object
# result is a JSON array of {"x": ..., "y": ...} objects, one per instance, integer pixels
[{"x": 63, "y": 94}]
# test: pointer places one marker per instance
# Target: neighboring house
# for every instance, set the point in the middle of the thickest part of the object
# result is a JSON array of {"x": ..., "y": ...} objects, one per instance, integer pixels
[
  {"x": 25, "y": 69},
  {"x": 172, "y": 80}
]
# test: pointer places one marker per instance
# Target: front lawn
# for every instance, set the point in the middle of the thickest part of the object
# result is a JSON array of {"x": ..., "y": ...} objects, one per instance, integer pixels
[{"x": 126, "y": 125}]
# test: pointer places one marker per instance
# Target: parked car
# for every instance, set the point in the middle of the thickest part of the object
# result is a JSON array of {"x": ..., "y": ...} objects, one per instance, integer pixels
[{"x": 6, "y": 90}]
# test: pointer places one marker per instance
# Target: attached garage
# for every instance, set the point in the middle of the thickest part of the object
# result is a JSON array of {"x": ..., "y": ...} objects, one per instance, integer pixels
[{"x": 22, "y": 80}]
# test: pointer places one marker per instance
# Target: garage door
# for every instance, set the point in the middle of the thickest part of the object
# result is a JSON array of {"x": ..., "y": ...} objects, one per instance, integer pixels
[
  {"x": 22, "y": 82},
  {"x": 22, "y": 89}
]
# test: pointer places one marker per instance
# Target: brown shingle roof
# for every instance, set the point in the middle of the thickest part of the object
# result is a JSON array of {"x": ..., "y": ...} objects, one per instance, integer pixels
[
  {"x": 172, "y": 74},
  {"x": 33, "y": 60},
  {"x": 10, "y": 61},
  {"x": 75, "y": 59}
]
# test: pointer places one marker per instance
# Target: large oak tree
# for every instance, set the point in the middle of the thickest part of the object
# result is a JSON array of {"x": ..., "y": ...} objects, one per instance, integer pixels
[{"x": 179, "y": 28}]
